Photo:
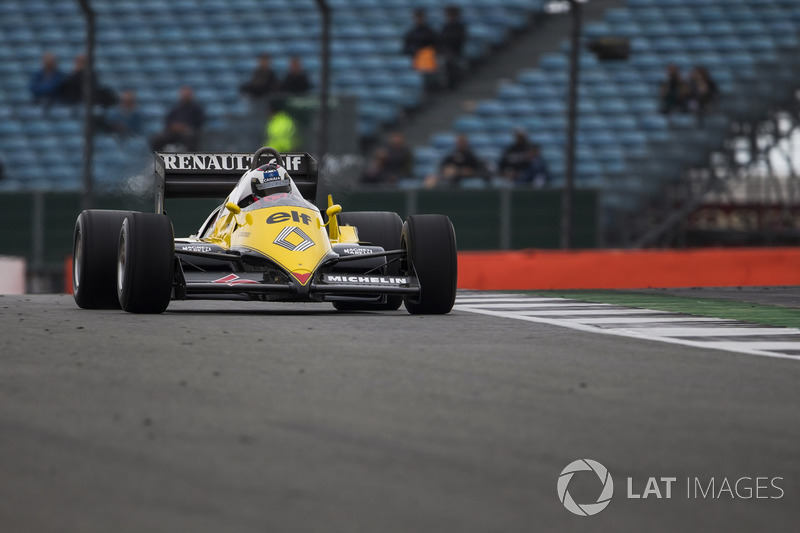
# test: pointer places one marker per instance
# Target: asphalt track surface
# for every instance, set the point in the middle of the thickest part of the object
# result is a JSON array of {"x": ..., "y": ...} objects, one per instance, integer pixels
[{"x": 223, "y": 416}]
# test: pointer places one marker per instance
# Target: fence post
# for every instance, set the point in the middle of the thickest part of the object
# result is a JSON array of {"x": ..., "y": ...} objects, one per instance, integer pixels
[
  {"x": 505, "y": 219},
  {"x": 37, "y": 231},
  {"x": 411, "y": 201}
]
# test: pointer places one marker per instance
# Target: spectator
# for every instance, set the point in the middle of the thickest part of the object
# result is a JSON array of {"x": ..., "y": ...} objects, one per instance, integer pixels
[
  {"x": 263, "y": 81},
  {"x": 296, "y": 81},
  {"x": 514, "y": 161},
  {"x": 702, "y": 90},
  {"x": 72, "y": 86},
  {"x": 391, "y": 163},
  {"x": 673, "y": 91},
  {"x": 420, "y": 43},
  {"x": 376, "y": 173},
  {"x": 125, "y": 120},
  {"x": 182, "y": 125},
  {"x": 451, "y": 45},
  {"x": 45, "y": 83},
  {"x": 459, "y": 164},
  {"x": 280, "y": 131},
  {"x": 535, "y": 172}
]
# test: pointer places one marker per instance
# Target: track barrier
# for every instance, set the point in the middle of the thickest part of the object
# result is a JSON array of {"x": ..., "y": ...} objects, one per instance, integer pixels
[
  {"x": 68, "y": 275},
  {"x": 628, "y": 269}
]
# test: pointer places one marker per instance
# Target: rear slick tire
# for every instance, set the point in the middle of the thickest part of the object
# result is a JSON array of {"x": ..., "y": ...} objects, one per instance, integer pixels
[
  {"x": 94, "y": 258},
  {"x": 430, "y": 245},
  {"x": 145, "y": 263}
]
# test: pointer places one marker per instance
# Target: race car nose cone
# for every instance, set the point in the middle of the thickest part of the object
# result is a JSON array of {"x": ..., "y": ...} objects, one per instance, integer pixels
[{"x": 302, "y": 278}]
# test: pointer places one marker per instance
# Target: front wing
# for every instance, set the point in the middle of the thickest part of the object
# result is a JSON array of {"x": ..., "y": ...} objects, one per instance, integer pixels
[{"x": 325, "y": 284}]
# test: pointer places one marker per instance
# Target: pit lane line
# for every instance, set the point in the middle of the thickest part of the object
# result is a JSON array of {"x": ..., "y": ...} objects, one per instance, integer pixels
[{"x": 645, "y": 324}]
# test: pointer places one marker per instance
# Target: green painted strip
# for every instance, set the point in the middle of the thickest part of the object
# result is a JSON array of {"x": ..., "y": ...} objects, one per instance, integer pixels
[{"x": 771, "y": 315}]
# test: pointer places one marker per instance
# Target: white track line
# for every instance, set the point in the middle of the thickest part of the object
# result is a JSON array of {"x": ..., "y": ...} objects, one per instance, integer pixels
[
  {"x": 499, "y": 300},
  {"x": 664, "y": 318},
  {"x": 543, "y": 305},
  {"x": 526, "y": 303},
  {"x": 580, "y": 312},
  {"x": 745, "y": 348},
  {"x": 489, "y": 295},
  {"x": 761, "y": 345},
  {"x": 716, "y": 332}
]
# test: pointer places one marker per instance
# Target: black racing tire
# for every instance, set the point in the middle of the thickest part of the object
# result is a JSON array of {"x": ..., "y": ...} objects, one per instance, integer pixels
[
  {"x": 145, "y": 263},
  {"x": 430, "y": 244},
  {"x": 378, "y": 228},
  {"x": 94, "y": 258}
]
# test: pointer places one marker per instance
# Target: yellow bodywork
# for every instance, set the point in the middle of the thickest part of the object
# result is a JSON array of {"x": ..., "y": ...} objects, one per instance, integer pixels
[{"x": 293, "y": 237}]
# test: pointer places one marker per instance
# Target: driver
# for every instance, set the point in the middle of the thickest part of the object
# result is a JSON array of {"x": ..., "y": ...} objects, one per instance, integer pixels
[{"x": 266, "y": 180}]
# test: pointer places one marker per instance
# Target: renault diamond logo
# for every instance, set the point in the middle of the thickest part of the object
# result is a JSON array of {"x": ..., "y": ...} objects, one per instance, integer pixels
[{"x": 294, "y": 239}]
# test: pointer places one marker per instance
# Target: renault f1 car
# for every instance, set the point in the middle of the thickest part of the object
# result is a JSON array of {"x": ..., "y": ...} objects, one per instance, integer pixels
[{"x": 267, "y": 241}]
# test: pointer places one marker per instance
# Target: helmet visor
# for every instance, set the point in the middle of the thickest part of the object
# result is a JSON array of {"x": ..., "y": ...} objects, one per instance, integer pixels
[{"x": 271, "y": 182}]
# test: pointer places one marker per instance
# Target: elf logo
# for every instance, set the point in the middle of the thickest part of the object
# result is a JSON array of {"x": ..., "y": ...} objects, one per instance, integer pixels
[{"x": 282, "y": 216}]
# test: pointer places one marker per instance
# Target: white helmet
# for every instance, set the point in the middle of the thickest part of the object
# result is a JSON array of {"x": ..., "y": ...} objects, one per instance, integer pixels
[{"x": 269, "y": 179}]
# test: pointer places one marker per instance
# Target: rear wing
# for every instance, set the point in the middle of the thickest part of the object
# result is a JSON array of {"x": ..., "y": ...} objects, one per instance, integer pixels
[{"x": 214, "y": 175}]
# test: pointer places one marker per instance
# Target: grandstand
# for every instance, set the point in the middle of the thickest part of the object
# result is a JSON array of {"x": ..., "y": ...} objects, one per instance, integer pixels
[
  {"x": 626, "y": 148},
  {"x": 155, "y": 46}
]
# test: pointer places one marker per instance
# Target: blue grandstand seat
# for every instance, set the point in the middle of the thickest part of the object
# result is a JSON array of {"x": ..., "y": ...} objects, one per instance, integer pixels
[
  {"x": 443, "y": 141},
  {"x": 510, "y": 91},
  {"x": 552, "y": 107},
  {"x": 482, "y": 140},
  {"x": 683, "y": 121},
  {"x": 469, "y": 124},
  {"x": 393, "y": 96},
  {"x": 642, "y": 106},
  {"x": 532, "y": 77},
  {"x": 593, "y": 123},
  {"x": 516, "y": 108},
  {"x": 490, "y": 108},
  {"x": 552, "y": 62},
  {"x": 502, "y": 124},
  {"x": 588, "y": 106}
]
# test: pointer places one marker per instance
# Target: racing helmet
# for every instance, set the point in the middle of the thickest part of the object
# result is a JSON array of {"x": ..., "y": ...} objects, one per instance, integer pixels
[{"x": 269, "y": 179}]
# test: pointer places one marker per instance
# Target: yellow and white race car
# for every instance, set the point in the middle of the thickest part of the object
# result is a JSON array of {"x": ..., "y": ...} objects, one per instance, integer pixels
[{"x": 266, "y": 241}]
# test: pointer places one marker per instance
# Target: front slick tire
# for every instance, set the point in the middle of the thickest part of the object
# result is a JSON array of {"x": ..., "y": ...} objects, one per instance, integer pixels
[
  {"x": 145, "y": 263},
  {"x": 430, "y": 244},
  {"x": 94, "y": 258},
  {"x": 379, "y": 228}
]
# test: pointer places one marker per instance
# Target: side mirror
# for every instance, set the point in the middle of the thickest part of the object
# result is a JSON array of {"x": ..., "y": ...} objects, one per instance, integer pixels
[
  {"x": 333, "y": 210},
  {"x": 233, "y": 208}
]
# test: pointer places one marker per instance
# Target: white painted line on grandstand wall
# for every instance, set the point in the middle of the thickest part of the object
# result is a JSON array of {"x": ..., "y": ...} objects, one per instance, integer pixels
[{"x": 636, "y": 334}]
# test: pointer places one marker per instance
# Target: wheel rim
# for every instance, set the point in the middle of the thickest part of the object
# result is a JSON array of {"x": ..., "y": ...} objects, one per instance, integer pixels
[
  {"x": 121, "y": 262},
  {"x": 77, "y": 261}
]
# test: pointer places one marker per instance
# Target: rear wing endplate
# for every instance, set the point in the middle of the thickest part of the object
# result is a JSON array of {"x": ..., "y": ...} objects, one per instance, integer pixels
[{"x": 214, "y": 175}]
